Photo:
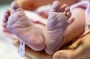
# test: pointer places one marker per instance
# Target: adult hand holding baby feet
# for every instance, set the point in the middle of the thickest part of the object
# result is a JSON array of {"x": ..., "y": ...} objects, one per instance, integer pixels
[{"x": 58, "y": 21}]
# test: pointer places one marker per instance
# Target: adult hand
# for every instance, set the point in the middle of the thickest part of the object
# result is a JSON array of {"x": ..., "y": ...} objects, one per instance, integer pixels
[{"x": 80, "y": 49}]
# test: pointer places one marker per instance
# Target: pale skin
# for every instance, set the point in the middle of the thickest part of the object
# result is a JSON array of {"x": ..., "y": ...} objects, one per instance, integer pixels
[
  {"x": 57, "y": 54},
  {"x": 78, "y": 25},
  {"x": 18, "y": 23}
]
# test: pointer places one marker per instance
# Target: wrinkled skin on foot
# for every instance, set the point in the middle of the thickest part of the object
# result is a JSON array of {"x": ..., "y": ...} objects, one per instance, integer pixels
[
  {"x": 56, "y": 26},
  {"x": 77, "y": 53},
  {"x": 20, "y": 25}
]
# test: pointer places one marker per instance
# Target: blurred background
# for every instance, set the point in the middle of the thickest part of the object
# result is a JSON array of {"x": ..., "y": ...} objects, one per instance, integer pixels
[{"x": 3, "y": 2}]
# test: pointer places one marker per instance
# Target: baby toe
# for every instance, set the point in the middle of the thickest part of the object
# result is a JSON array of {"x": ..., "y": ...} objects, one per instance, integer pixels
[
  {"x": 14, "y": 5},
  {"x": 68, "y": 14},
  {"x": 4, "y": 25},
  {"x": 8, "y": 11},
  {"x": 7, "y": 14},
  {"x": 55, "y": 6},
  {"x": 4, "y": 20},
  {"x": 67, "y": 9},
  {"x": 63, "y": 7}
]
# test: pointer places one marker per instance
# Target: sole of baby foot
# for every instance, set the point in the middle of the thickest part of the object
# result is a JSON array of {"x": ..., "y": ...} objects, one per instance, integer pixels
[
  {"x": 20, "y": 25},
  {"x": 56, "y": 26}
]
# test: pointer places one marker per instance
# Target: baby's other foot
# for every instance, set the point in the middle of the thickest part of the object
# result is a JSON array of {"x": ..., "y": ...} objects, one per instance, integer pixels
[
  {"x": 19, "y": 24},
  {"x": 56, "y": 26}
]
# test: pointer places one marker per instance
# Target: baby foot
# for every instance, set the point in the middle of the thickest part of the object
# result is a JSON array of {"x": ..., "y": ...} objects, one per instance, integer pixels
[
  {"x": 56, "y": 26},
  {"x": 19, "y": 24}
]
